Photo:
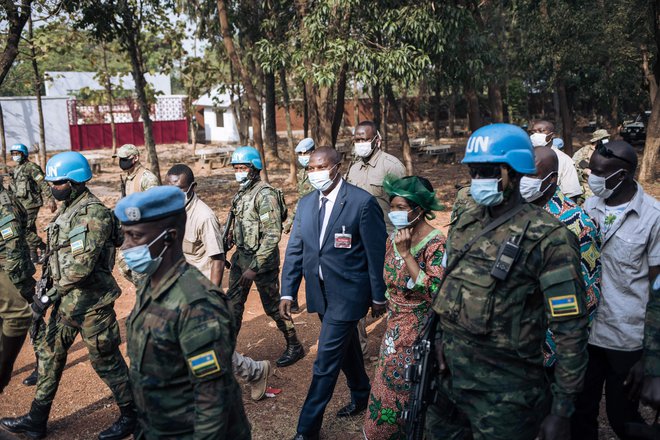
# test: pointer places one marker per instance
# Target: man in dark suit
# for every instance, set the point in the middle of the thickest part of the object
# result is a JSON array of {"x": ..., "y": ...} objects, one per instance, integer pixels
[{"x": 338, "y": 245}]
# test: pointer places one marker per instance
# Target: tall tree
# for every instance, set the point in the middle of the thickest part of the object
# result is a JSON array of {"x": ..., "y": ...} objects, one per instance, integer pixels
[
  {"x": 37, "y": 83},
  {"x": 17, "y": 14}
]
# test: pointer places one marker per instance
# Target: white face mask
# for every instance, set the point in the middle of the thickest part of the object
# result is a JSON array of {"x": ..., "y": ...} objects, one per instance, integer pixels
[
  {"x": 598, "y": 185},
  {"x": 363, "y": 149},
  {"x": 17, "y": 158},
  {"x": 241, "y": 176},
  {"x": 530, "y": 187},
  {"x": 539, "y": 139},
  {"x": 321, "y": 179}
]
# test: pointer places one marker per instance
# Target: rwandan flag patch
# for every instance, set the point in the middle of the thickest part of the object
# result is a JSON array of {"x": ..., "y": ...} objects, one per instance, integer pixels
[
  {"x": 204, "y": 364},
  {"x": 77, "y": 247},
  {"x": 7, "y": 233},
  {"x": 564, "y": 306}
]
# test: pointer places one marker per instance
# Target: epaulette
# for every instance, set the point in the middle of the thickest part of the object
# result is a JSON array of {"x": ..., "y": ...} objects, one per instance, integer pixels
[{"x": 4, "y": 198}]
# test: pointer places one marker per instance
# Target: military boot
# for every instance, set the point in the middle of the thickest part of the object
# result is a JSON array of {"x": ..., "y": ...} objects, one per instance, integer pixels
[
  {"x": 294, "y": 350},
  {"x": 11, "y": 346},
  {"x": 32, "y": 379},
  {"x": 123, "y": 426},
  {"x": 33, "y": 424}
]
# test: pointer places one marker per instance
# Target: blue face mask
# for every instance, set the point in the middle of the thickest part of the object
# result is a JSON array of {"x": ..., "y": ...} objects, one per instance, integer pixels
[
  {"x": 138, "y": 258},
  {"x": 486, "y": 192},
  {"x": 303, "y": 160},
  {"x": 400, "y": 219}
]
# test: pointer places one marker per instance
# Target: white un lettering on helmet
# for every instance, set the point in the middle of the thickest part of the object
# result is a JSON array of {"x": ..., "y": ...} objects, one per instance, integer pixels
[
  {"x": 476, "y": 143},
  {"x": 51, "y": 171}
]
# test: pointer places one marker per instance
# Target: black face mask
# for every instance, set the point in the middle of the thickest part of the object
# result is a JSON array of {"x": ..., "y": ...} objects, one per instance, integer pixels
[
  {"x": 61, "y": 194},
  {"x": 125, "y": 163}
]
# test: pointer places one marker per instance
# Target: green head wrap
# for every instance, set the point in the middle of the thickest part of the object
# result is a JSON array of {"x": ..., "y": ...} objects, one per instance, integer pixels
[{"x": 413, "y": 190}]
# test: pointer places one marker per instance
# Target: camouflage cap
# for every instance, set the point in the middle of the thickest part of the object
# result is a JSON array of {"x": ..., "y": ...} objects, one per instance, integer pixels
[
  {"x": 153, "y": 204},
  {"x": 600, "y": 134},
  {"x": 126, "y": 151}
]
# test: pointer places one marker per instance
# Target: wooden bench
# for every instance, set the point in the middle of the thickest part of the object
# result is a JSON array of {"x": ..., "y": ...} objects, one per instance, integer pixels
[
  {"x": 210, "y": 154},
  {"x": 441, "y": 152},
  {"x": 94, "y": 160}
]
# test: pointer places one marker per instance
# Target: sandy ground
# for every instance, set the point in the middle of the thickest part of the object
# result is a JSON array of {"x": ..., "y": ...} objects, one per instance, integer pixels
[{"x": 83, "y": 406}]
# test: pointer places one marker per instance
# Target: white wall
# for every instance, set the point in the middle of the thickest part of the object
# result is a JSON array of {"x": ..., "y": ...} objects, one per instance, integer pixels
[
  {"x": 22, "y": 122},
  {"x": 228, "y": 133},
  {"x": 67, "y": 83}
]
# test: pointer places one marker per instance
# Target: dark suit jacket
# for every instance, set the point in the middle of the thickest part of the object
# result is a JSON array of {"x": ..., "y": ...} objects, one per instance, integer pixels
[{"x": 352, "y": 277}]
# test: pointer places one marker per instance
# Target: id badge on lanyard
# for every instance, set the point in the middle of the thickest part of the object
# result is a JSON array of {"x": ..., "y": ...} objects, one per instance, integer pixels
[{"x": 343, "y": 240}]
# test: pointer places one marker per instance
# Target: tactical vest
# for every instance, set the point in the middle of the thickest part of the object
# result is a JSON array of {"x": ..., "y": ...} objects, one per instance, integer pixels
[
  {"x": 24, "y": 187},
  {"x": 135, "y": 184},
  {"x": 247, "y": 227}
]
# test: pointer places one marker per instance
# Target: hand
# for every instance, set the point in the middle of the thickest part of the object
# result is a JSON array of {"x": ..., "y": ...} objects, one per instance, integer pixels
[
  {"x": 402, "y": 240},
  {"x": 555, "y": 428},
  {"x": 634, "y": 381},
  {"x": 651, "y": 392},
  {"x": 247, "y": 278},
  {"x": 440, "y": 357},
  {"x": 52, "y": 205},
  {"x": 38, "y": 307},
  {"x": 286, "y": 227},
  {"x": 285, "y": 309},
  {"x": 377, "y": 309}
]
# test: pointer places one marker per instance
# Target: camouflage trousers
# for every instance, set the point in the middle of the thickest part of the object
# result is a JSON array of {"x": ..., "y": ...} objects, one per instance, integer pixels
[
  {"x": 268, "y": 285},
  {"x": 460, "y": 414},
  {"x": 15, "y": 315},
  {"x": 31, "y": 236},
  {"x": 100, "y": 334}
]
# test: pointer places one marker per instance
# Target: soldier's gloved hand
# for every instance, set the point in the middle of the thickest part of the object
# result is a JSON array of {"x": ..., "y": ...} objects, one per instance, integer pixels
[
  {"x": 39, "y": 306},
  {"x": 555, "y": 428}
]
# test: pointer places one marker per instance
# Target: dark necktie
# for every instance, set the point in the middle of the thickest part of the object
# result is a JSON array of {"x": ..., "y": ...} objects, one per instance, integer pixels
[{"x": 324, "y": 200}]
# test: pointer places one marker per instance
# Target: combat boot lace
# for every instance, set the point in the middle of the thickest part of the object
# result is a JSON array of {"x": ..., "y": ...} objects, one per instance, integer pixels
[
  {"x": 293, "y": 353},
  {"x": 123, "y": 426},
  {"x": 33, "y": 424}
]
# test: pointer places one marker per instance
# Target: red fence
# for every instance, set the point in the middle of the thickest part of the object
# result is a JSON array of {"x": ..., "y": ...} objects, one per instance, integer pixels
[{"x": 94, "y": 136}]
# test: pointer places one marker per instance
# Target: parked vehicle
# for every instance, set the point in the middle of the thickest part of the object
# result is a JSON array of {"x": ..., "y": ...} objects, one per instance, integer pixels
[{"x": 635, "y": 130}]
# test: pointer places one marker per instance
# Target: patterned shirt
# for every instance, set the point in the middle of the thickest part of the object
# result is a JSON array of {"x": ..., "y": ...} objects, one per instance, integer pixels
[{"x": 578, "y": 222}]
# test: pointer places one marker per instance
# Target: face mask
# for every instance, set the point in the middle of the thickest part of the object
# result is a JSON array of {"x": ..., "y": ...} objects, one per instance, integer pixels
[
  {"x": 486, "y": 192},
  {"x": 598, "y": 185},
  {"x": 530, "y": 187},
  {"x": 138, "y": 258},
  {"x": 363, "y": 149},
  {"x": 303, "y": 160},
  {"x": 241, "y": 176},
  {"x": 61, "y": 194},
  {"x": 125, "y": 163},
  {"x": 321, "y": 179},
  {"x": 400, "y": 219},
  {"x": 539, "y": 139},
  {"x": 188, "y": 193},
  {"x": 17, "y": 158}
]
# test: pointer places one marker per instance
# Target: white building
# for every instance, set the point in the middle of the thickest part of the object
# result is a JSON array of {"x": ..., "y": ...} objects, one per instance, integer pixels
[
  {"x": 219, "y": 122},
  {"x": 68, "y": 83},
  {"x": 22, "y": 122}
]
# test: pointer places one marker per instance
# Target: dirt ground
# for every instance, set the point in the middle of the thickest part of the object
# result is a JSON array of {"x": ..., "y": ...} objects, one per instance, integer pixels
[{"x": 83, "y": 406}]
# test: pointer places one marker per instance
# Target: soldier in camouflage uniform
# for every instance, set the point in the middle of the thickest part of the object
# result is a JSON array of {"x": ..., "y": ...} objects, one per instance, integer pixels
[
  {"x": 29, "y": 186},
  {"x": 181, "y": 321},
  {"x": 493, "y": 311},
  {"x": 16, "y": 282},
  {"x": 581, "y": 159},
  {"x": 81, "y": 240},
  {"x": 259, "y": 210},
  {"x": 304, "y": 150}
]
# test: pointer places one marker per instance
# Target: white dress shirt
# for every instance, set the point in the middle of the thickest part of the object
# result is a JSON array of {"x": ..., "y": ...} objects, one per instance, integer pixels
[{"x": 567, "y": 176}]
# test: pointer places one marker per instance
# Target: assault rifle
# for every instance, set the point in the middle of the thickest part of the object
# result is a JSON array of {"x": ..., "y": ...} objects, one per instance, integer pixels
[
  {"x": 227, "y": 236},
  {"x": 39, "y": 306},
  {"x": 122, "y": 185},
  {"x": 421, "y": 375}
]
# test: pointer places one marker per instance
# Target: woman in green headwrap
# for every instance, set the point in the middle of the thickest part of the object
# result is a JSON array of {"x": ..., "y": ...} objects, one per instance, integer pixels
[{"x": 413, "y": 270}]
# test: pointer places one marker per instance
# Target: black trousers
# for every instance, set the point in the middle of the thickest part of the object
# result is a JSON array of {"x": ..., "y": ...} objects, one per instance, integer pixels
[{"x": 610, "y": 368}]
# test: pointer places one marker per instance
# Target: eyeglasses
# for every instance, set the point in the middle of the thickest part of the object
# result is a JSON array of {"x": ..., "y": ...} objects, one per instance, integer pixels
[
  {"x": 606, "y": 152},
  {"x": 485, "y": 171}
]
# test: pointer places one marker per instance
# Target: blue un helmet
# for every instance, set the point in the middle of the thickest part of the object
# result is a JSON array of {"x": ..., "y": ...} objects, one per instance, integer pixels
[
  {"x": 69, "y": 165},
  {"x": 20, "y": 148},
  {"x": 247, "y": 156},
  {"x": 305, "y": 145},
  {"x": 501, "y": 143}
]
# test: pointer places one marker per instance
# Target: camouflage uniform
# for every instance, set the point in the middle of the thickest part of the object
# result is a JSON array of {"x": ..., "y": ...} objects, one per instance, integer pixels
[
  {"x": 492, "y": 331},
  {"x": 82, "y": 238},
  {"x": 185, "y": 324},
  {"x": 304, "y": 188},
  {"x": 583, "y": 154},
  {"x": 257, "y": 232},
  {"x": 30, "y": 188}
]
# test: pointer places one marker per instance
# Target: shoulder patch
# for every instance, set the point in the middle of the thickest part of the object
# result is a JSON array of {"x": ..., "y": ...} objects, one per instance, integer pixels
[
  {"x": 566, "y": 305},
  {"x": 7, "y": 232},
  {"x": 204, "y": 364},
  {"x": 38, "y": 177}
]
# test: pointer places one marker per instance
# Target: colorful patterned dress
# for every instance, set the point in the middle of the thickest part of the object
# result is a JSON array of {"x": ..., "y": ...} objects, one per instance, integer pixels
[{"x": 408, "y": 303}]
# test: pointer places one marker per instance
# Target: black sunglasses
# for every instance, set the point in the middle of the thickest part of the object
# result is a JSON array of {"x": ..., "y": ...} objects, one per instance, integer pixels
[
  {"x": 606, "y": 152},
  {"x": 485, "y": 171}
]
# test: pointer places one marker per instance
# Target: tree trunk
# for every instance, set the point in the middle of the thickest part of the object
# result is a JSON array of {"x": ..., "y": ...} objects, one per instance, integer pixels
[
  {"x": 451, "y": 114},
  {"x": 436, "y": 111},
  {"x": 399, "y": 112},
  {"x": 108, "y": 91},
  {"x": 323, "y": 98},
  {"x": 614, "y": 114},
  {"x": 649, "y": 76},
  {"x": 305, "y": 110},
  {"x": 647, "y": 171},
  {"x": 566, "y": 118},
  {"x": 289, "y": 132},
  {"x": 386, "y": 113},
  {"x": 270, "y": 122},
  {"x": 37, "y": 94},
  {"x": 312, "y": 112},
  {"x": 253, "y": 101},
  {"x": 376, "y": 108},
  {"x": 474, "y": 116},
  {"x": 555, "y": 104},
  {"x": 16, "y": 24},
  {"x": 356, "y": 103},
  {"x": 340, "y": 100},
  {"x": 495, "y": 101},
  {"x": 3, "y": 140}
]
